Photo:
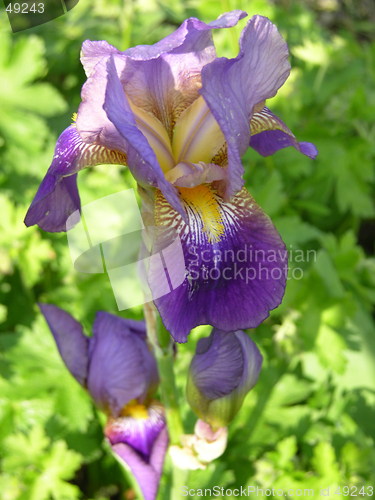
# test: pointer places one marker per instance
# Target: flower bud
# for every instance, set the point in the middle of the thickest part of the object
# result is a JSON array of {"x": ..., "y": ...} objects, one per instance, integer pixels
[
  {"x": 224, "y": 369},
  {"x": 120, "y": 373},
  {"x": 115, "y": 364}
]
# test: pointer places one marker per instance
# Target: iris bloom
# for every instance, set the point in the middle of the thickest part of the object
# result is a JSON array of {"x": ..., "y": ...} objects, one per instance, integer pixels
[
  {"x": 181, "y": 119},
  {"x": 222, "y": 372},
  {"x": 120, "y": 373}
]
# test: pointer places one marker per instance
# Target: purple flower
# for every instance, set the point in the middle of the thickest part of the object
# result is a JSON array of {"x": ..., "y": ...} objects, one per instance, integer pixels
[
  {"x": 223, "y": 370},
  {"x": 120, "y": 373},
  {"x": 181, "y": 118}
]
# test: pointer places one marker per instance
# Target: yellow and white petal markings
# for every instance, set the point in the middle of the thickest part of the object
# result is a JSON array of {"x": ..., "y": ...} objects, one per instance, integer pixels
[
  {"x": 156, "y": 136},
  {"x": 197, "y": 135},
  {"x": 264, "y": 119},
  {"x": 202, "y": 201}
]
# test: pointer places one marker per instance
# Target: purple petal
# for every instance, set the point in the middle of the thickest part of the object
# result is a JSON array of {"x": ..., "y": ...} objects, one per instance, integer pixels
[
  {"x": 269, "y": 134},
  {"x": 122, "y": 368},
  {"x": 93, "y": 125},
  {"x": 142, "y": 160},
  {"x": 71, "y": 342},
  {"x": 218, "y": 365},
  {"x": 233, "y": 87},
  {"x": 233, "y": 281},
  {"x": 138, "y": 432},
  {"x": 190, "y": 37},
  {"x": 164, "y": 78},
  {"x": 57, "y": 197},
  {"x": 252, "y": 363},
  {"x": 221, "y": 411},
  {"x": 147, "y": 474},
  {"x": 94, "y": 52}
]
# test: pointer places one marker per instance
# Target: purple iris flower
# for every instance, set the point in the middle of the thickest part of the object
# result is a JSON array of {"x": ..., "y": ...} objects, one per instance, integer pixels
[
  {"x": 181, "y": 118},
  {"x": 223, "y": 370},
  {"x": 120, "y": 373}
]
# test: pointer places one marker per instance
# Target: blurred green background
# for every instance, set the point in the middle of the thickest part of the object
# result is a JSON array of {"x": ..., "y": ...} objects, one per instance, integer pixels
[{"x": 310, "y": 421}]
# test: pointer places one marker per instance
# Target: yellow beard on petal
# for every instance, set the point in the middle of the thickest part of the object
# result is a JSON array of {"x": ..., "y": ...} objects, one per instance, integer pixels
[
  {"x": 135, "y": 410},
  {"x": 202, "y": 200}
]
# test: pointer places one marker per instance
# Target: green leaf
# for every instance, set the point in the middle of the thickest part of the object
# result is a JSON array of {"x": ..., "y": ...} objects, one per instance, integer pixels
[
  {"x": 326, "y": 270},
  {"x": 324, "y": 462},
  {"x": 330, "y": 348},
  {"x": 293, "y": 231}
]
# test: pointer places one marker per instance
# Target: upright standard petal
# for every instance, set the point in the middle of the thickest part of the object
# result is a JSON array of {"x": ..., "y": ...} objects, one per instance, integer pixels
[
  {"x": 147, "y": 473},
  {"x": 233, "y": 87},
  {"x": 164, "y": 78},
  {"x": 142, "y": 160},
  {"x": 122, "y": 368},
  {"x": 71, "y": 342},
  {"x": 94, "y": 52},
  {"x": 236, "y": 263},
  {"x": 57, "y": 196},
  {"x": 269, "y": 134}
]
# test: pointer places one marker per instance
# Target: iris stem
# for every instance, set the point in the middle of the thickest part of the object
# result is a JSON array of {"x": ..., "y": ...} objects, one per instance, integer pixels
[
  {"x": 164, "y": 357},
  {"x": 162, "y": 342},
  {"x": 233, "y": 31},
  {"x": 170, "y": 397},
  {"x": 180, "y": 479}
]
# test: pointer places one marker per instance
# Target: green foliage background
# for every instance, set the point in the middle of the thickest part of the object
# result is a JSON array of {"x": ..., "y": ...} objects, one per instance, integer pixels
[{"x": 310, "y": 421}]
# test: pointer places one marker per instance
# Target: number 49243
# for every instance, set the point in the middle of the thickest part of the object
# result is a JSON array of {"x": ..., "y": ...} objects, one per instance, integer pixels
[
  {"x": 24, "y": 8},
  {"x": 353, "y": 491}
]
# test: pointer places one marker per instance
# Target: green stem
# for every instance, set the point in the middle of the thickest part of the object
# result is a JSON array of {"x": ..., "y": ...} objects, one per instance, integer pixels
[
  {"x": 233, "y": 32},
  {"x": 162, "y": 341},
  {"x": 125, "y": 20},
  {"x": 180, "y": 479},
  {"x": 170, "y": 396}
]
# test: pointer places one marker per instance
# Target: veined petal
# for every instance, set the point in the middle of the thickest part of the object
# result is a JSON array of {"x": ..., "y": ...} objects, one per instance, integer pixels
[
  {"x": 223, "y": 370},
  {"x": 139, "y": 427},
  {"x": 233, "y": 87},
  {"x": 94, "y": 52},
  {"x": 57, "y": 196},
  {"x": 236, "y": 263},
  {"x": 148, "y": 473},
  {"x": 142, "y": 160},
  {"x": 197, "y": 135},
  {"x": 222, "y": 411},
  {"x": 156, "y": 136},
  {"x": 122, "y": 367},
  {"x": 164, "y": 78},
  {"x": 215, "y": 354},
  {"x": 252, "y": 365},
  {"x": 93, "y": 124},
  {"x": 70, "y": 339},
  {"x": 269, "y": 134}
]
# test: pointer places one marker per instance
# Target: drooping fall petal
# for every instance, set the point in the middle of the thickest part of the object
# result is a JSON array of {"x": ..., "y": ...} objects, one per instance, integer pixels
[
  {"x": 57, "y": 196},
  {"x": 236, "y": 263}
]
